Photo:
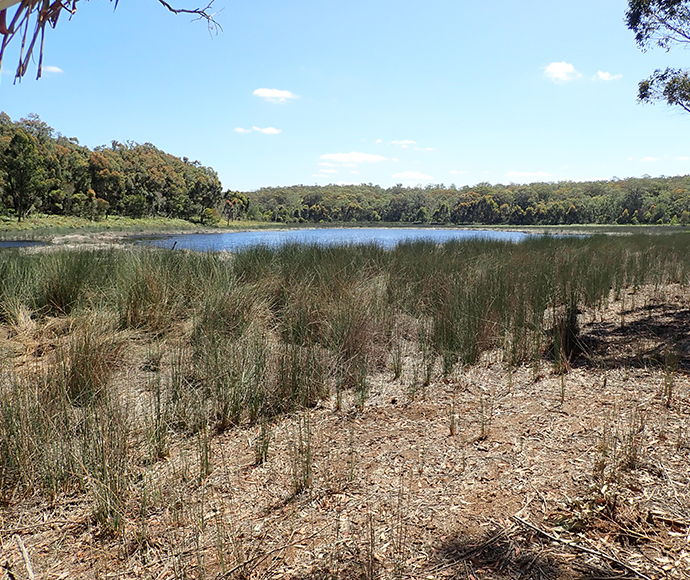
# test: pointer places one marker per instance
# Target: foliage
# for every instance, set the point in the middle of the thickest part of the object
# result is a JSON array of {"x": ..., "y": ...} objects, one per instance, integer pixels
[
  {"x": 662, "y": 23},
  {"x": 671, "y": 85},
  {"x": 235, "y": 206},
  {"x": 141, "y": 181},
  {"x": 41, "y": 168},
  {"x": 631, "y": 201},
  {"x": 23, "y": 173}
]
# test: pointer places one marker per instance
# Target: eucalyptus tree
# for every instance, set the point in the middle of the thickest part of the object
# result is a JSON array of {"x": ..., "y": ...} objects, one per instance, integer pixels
[
  {"x": 27, "y": 21},
  {"x": 665, "y": 24},
  {"x": 23, "y": 174}
]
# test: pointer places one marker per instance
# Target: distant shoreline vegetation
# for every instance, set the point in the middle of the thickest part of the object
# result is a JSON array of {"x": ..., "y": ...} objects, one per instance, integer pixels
[
  {"x": 630, "y": 201},
  {"x": 44, "y": 172}
]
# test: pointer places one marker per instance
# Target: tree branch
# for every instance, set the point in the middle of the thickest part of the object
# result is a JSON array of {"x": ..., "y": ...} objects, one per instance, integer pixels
[
  {"x": 682, "y": 37},
  {"x": 31, "y": 16},
  {"x": 200, "y": 13}
]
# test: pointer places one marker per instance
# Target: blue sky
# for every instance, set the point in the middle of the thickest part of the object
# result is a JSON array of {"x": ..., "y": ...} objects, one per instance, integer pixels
[{"x": 381, "y": 91}]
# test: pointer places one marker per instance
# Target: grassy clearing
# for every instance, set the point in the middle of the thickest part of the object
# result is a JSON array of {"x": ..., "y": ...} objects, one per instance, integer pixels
[
  {"x": 46, "y": 227},
  {"x": 130, "y": 357},
  {"x": 43, "y": 227}
]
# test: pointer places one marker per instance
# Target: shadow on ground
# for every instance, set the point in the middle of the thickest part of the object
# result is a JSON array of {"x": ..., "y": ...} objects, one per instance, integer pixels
[
  {"x": 499, "y": 554},
  {"x": 645, "y": 337},
  {"x": 507, "y": 554}
]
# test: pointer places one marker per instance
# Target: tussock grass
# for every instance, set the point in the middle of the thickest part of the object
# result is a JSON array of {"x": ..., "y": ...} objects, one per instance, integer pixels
[{"x": 240, "y": 339}]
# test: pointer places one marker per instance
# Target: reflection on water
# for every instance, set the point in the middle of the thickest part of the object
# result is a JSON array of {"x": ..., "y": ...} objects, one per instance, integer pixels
[{"x": 385, "y": 237}]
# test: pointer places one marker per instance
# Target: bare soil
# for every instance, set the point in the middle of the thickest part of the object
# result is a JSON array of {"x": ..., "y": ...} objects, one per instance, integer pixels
[{"x": 491, "y": 473}]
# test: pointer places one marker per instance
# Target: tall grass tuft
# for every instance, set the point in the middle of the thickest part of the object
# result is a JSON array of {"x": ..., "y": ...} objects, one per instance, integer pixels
[
  {"x": 60, "y": 431},
  {"x": 86, "y": 363}
]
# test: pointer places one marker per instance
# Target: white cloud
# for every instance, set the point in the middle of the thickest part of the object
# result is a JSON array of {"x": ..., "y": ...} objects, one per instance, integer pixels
[
  {"x": 425, "y": 148},
  {"x": 606, "y": 76},
  {"x": 353, "y": 157},
  {"x": 456, "y": 172},
  {"x": 405, "y": 143},
  {"x": 52, "y": 69},
  {"x": 354, "y": 172},
  {"x": 275, "y": 95},
  {"x": 649, "y": 159},
  {"x": 378, "y": 141},
  {"x": 561, "y": 72},
  {"x": 328, "y": 170},
  {"x": 413, "y": 175},
  {"x": 268, "y": 130},
  {"x": 527, "y": 174},
  {"x": 327, "y": 164},
  {"x": 682, "y": 158}
]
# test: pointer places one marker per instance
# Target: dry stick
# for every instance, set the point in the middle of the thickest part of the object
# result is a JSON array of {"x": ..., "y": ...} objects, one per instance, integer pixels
[
  {"x": 25, "y": 555},
  {"x": 164, "y": 572},
  {"x": 7, "y": 572},
  {"x": 260, "y": 558},
  {"x": 37, "y": 526},
  {"x": 471, "y": 551},
  {"x": 581, "y": 548},
  {"x": 665, "y": 518}
]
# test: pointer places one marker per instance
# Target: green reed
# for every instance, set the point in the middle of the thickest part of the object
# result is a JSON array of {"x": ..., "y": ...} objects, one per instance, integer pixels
[{"x": 243, "y": 337}]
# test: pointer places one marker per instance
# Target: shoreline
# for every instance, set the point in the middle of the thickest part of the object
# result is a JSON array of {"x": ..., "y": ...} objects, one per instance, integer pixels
[{"x": 76, "y": 238}]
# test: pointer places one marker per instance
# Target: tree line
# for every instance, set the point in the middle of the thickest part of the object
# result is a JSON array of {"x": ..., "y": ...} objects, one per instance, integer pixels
[
  {"x": 44, "y": 171},
  {"x": 645, "y": 200}
]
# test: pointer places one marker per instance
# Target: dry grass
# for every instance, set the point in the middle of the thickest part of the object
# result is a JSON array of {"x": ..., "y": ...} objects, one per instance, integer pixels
[{"x": 597, "y": 458}]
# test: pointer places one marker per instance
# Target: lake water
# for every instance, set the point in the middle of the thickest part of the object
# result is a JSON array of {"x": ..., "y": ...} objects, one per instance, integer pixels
[
  {"x": 19, "y": 243},
  {"x": 386, "y": 237}
]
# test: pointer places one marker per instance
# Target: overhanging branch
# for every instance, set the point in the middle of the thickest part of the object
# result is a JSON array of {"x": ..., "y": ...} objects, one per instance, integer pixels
[
  {"x": 31, "y": 17},
  {"x": 200, "y": 13}
]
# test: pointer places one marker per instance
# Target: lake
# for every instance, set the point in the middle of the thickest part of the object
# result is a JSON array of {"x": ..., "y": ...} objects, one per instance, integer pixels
[
  {"x": 386, "y": 237},
  {"x": 20, "y": 243}
]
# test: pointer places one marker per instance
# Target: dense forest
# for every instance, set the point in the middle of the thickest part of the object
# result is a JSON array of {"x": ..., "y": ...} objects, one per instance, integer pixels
[
  {"x": 646, "y": 200},
  {"x": 43, "y": 171}
]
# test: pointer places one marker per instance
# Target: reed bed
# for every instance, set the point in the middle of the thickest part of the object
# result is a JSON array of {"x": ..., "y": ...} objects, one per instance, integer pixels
[{"x": 230, "y": 341}]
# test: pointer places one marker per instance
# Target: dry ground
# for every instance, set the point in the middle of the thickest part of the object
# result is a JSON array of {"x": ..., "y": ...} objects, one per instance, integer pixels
[{"x": 488, "y": 474}]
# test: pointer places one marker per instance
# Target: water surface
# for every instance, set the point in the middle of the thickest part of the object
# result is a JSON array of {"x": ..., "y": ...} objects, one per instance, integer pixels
[
  {"x": 20, "y": 243},
  {"x": 385, "y": 237}
]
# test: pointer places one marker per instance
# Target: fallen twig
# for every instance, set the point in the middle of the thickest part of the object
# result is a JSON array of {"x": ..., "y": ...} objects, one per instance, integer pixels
[
  {"x": 25, "y": 556},
  {"x": 37, "y": 526},
  {"x": 666, "y": 519},
  {"x": 580, "y": 547},
  {"x": 260, "y": 558},
  {"x": 471, "y": 551}
]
